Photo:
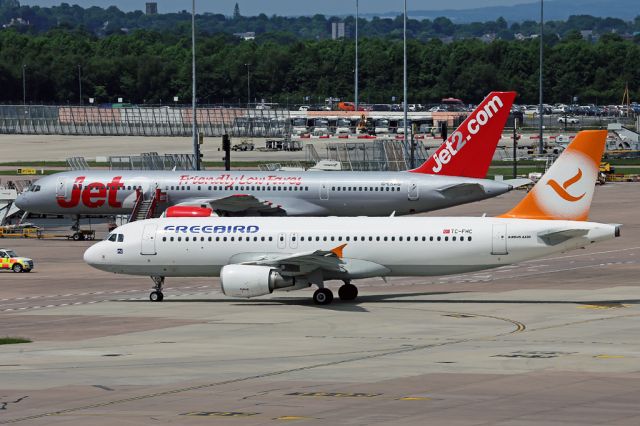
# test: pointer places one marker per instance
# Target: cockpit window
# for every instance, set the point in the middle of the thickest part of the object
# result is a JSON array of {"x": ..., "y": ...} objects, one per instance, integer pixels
[
  {"x": 112, "y": 237},
  {"x": 36, "y": 188},
  {"x": 120, "y": 238}
]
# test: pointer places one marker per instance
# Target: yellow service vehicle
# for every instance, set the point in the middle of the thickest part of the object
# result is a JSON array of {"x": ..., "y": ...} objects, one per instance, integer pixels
[{"x": 10, "y": 260}]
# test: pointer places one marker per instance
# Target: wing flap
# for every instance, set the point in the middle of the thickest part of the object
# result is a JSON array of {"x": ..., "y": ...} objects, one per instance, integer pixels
[{"x": 235, "y": 203}]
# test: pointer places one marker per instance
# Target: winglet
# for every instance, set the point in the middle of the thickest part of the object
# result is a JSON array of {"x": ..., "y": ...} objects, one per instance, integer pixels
[
  {"x": 469, "y": 150},
  {"x": 566, "y": 189},
  {"x": 338, "y": 251}
]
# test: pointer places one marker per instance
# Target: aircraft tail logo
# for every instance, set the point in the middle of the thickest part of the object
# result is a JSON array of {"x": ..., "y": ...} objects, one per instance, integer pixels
[
  {"x": 562, "y": 190},
  {"x": 577, "y": 169},
  {"x": 468, "y": 151}
]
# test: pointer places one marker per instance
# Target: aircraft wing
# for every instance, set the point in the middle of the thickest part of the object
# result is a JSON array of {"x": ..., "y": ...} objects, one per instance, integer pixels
[
  {"x": 553, "y": 238},
  {"x": 329, "y": 261},
  {"x": 236, "y": 203},
  {"x": 295, "y": 263}
]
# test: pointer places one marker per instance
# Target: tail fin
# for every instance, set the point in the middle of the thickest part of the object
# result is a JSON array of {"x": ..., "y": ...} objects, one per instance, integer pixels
[
  {"x": 469, "y": 150},
  {"x": 566, "y": 189}
]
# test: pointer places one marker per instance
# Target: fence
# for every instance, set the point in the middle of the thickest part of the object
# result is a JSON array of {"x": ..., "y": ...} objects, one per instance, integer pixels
[{"x": 142, "y": 121}]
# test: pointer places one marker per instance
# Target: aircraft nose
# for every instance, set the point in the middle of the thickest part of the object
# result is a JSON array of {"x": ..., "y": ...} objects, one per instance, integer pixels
[
  {"x": 22, "y": 201},
  {"x": 94, "y": 256}
]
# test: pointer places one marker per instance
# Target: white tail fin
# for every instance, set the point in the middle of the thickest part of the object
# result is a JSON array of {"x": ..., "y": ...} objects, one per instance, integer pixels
[{"x": 566, "y": 189}]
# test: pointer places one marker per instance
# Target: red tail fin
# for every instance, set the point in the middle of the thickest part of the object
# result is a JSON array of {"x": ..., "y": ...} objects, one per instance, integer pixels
[{"x": 469, "y": 150}]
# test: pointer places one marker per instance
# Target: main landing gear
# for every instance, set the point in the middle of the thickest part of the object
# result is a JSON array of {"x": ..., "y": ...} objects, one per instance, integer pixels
[
  {"x": 156, "y": 295},
  {"x": 324, "y": 296}
]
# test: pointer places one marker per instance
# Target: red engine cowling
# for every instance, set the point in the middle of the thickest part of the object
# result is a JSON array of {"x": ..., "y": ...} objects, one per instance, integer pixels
[{"x": 188, "y": 211}]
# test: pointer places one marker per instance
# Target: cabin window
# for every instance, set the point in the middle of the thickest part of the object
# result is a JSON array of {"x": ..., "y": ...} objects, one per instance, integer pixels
[
  {"x": 468, "y": 238},
  {"x": 210, "y": 239},
  {"x": 430, "y": 238},
  {"x": 224, "y": 239},
  {"x": 270, "y": 238},
  {"x": 164, "y": 238},
  {"x": 333, "y": 238},
  {"x": 446, "y": 238},
  {"x": 179, "y": 238},
  {"x": 171, "y": 239},
  {"x": 261, "y": 238},
  {"x": 186, "y": 238},
  {"x": 453, "y": 238}
]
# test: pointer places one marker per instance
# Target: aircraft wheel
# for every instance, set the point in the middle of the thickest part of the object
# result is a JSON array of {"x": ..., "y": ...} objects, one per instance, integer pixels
[
  {"x": 348, "y": 292},
  {"x": 17, "y": 267},
  {"x": 156, "y": 296},
  {"x": 322, "y": 296}
]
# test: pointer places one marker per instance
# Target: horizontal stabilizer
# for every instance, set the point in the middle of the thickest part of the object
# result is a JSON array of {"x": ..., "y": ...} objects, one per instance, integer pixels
[
  {"x": 462, "y": 190},
  {"x": 553, "y": 238},
  {"x": 518, "y": 183}
]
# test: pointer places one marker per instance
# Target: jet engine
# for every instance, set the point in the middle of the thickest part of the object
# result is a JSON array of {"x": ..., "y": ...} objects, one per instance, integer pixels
[{"x": 254, "y": 280}]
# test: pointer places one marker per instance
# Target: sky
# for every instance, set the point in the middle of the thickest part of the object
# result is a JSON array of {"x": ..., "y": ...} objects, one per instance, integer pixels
[{"x": 286, "y": 7}]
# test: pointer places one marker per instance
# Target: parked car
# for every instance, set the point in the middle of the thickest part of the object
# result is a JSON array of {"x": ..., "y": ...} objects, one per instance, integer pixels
[{"x": 568, "y": 120}]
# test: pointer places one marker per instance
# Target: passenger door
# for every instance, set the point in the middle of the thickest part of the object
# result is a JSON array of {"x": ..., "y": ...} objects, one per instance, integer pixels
[
  {"x": 324, "y": 191},
  {"x": 414, "y": 191},
  {"x": 62, "y": 189},
  {"x": 499, "y": 240},
  {"x": 148, "y": 244}
]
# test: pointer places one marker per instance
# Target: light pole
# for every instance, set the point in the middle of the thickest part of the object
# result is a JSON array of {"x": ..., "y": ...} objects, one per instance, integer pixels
[
  {"x": 80, "y": 82},
  {"x": 541, "y": 111},
  {"x": 248, "y": 85},
  {"x": 194, "y": 129},
  {"x": 404, "y": 78},
  {"x": 24, "y": 85},
  {"x": 356, "y": 73}
]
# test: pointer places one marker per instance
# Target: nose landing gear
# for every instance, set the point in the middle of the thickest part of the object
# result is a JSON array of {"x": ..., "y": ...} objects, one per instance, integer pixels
[{"x": 156, "y": 295}]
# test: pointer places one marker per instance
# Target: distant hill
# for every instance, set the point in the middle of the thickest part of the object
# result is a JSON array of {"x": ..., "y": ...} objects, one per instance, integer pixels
[{"x": 553, "y": 10}]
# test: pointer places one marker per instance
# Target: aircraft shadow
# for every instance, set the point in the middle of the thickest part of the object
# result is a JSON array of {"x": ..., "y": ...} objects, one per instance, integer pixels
[{"x": 395, "y": 298}]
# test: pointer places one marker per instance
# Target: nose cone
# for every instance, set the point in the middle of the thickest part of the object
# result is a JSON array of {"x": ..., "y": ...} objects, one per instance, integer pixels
[
  {"x": 22, "y": 201},
  {"x": 94, "y": 256}
]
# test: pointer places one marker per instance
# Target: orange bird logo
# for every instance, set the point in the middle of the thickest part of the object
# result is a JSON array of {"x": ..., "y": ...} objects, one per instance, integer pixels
[{"x": 562, "y": 190}]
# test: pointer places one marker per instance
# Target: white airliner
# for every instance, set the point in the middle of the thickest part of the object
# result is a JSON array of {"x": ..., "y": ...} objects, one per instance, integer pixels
[{"x": 255, "y": 255}]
